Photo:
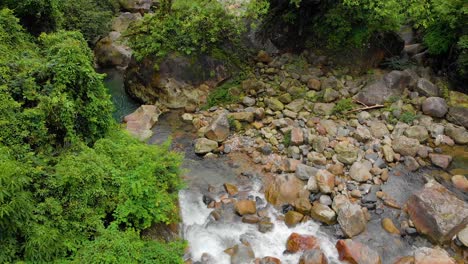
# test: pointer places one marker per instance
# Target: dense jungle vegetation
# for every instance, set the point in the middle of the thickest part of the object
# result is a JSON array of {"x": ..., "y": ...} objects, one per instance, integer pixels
[{"x": 73, "y": 186}]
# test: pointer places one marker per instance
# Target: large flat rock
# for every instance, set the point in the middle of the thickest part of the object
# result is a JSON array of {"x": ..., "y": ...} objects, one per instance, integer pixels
[{"x": 437, "y": 213}]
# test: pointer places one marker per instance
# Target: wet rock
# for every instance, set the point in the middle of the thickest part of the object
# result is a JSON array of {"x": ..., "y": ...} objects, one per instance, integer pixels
[
  {"x": 458, "y": 115},
  {"x": 274, "y": 104},
  {"x": 325, "y": 181},
  {"x": 297, "y": 243},
  {"x": 231, "y": 189},
  {"x": 426, "y": 88},
  {"x": 435, "y": 107},
  {"x": 346, "y": 152},
  {"x": 292, "y": 218},
  {"x": 284, "y": 189},
  {"x": 436, "y": 255},
  {"x": 218, "y": 130},
  {"x": 323, "y": 213},
  {"x": 389, "y": 226},
  {"x": 244, "y": 207},
  {"x": 360, "y": 171},
  {"x": 297, "y": 136},
  {"x": 304, "y": 172},
  {"x": 265, "y": 226},
  {"x": 406, "y": 146},
  {"x": 314, "y": 256},
  {"x": 140, "y": 122},
  {"x": 356, "y": 253},
  {"x": 460, "y": 182},
  {"x": 437, "y": 213},
  {"x": 418, "y": 132},
  {"x": 351, "y": 219},
  {"x": 269, "y": 260},
  {"x": 241, "y": 254},
  {"x": 204, "y": 145},
  {"x": 442, "y": 161},
  {"x": 457, "y": 133}
]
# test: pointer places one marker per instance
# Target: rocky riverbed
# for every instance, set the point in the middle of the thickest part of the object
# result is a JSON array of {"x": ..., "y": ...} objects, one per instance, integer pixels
[{"x": 314, "y": 166}]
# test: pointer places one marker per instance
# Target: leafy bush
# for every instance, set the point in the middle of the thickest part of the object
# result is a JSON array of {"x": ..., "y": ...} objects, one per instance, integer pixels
[
  {"x": 192, "y": 27},
  {"x": 343, "y": 106},
  {"x": 408, "y": 117}
]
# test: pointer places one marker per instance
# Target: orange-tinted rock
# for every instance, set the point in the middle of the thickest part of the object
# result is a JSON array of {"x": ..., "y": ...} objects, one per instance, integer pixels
[
  {"x": 231, "y": 189},
  {"x": 297, "y": 242},
  {"x": 432, "y": 256},
  {"x": 302, "y": 205},
  {"x": 268, "y": 260},
  {"x": 325, "y": 181},
  {"x": 388, "y": 225},
  {"x": 437, "y": 213},
  {"x": 460, "y": 182},
  {"x": 284, "y": 189},
  {"x": 292, "y": 218},
  {"x": 244, "y": 207},
  {"x": 356, "y": 253},
  {"x": 405, "y": 260}
]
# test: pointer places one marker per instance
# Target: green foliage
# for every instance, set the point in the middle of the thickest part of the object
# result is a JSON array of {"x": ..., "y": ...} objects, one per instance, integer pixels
[
  {"x": 353, "y": 22},
  {"x": 113, "y": 246},
  {"x": 397, "y": 63},
  {"x": 192, "y": 27},
  {"x": 287, "y": 138},
  {"x": 343, "y": 106},
  {"x": 64, "y": 176},
  {"x": 90, "y": 17},
  {"x": 408, "y": 117},
  {"x": 225, "y": 93}
]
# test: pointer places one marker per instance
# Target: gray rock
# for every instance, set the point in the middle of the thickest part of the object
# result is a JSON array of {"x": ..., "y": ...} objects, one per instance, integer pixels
[
  {"x": 323, "y": 214},
  {"x": 457, "y": 133},
  {"x": 324, "y": 109},
  {"x": 362, "y": 134},
  {"x": 304, "y": 172},
  {"x": 360, "y": 171},
  {"x": 418, "y": 132},
  {"x": 393, "y": 84},
  {"x": 379, "y": 129},
  {"x": 406, "y": 146},
  {"x": 411, "y": 163},
  {"x": 248, "y": 101},
  {"x": 204, "y": 145},
  {"x": 435, "y": 107},
  {"x": 320, "y": 143},
  {"x": 330, "y": 95},
  {"x": 330, "y": 126},
  {"x": 351, "y": 219},
  {"x": 296, "y": 105},
  {"x": 218, "y": 130},
  {"x": 426, "y": 88},
  {"x": 458, "y": 115},
  {"x": 274, "y": 104}
]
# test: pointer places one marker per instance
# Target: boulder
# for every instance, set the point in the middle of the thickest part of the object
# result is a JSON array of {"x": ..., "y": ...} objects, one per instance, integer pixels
[
  {"x": 356, "y": 253},
  {"x": 426, "y": 88},
  {"x": 458, "y": 115},
  {"x": 110, "y": 53},
  {"x": 435, "y": 107},
  {"x": 292, "y": 218},
  {"x": 437, "y": 213},
  {"x": 140, "y": 122},
  {"x": 284, "y": 189},
  {"x": 360, "y": 171},
  {"x": 457, "y": 133},
  {"x": 323, "y": 213},
  {"x": 136, "y": 5},
  {"x": 440, "y": 160},
  {"x": 204, "y": 145},
  {"x": 124, "y": 20},
  {"x": 325, "y": 181},
  {"x": 298, "y": 243},
  {"x": 244, "y": 207},
  {"x": 392, "y": 84},
  {"x": 436, "y": 255},
  {"x": 406, "y": 146},
  {"x": 176, "y": 81},
  {"x": 314, "y": 256},
  {"x": 218, "y": 130},
  {"x": 346, "y": 152},
  {"x": 351, "y": 219}
]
